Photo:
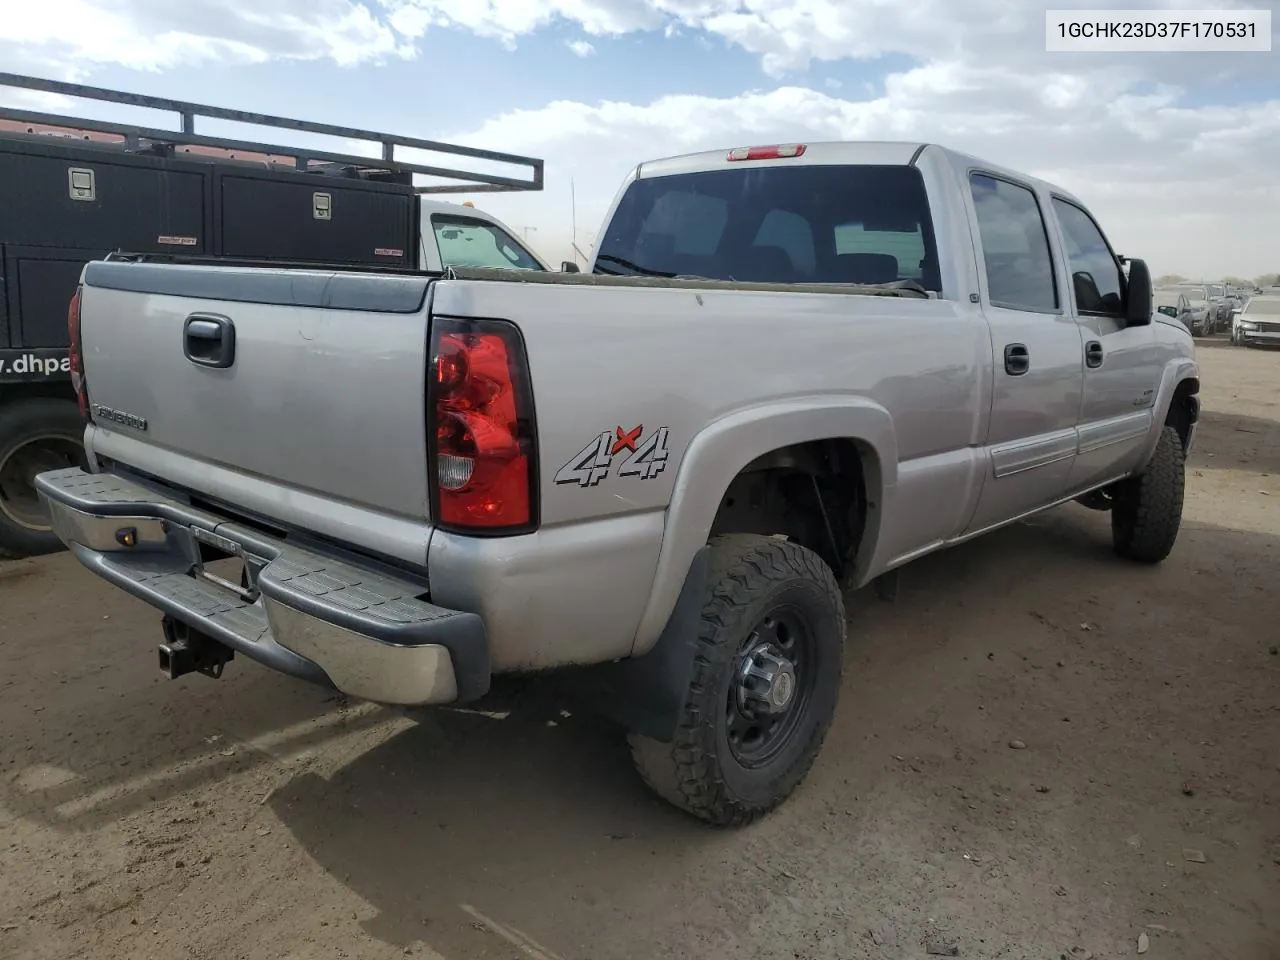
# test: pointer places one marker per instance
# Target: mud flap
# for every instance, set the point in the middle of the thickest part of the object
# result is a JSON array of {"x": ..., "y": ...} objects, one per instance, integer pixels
[{"x": 646, "y": 694}]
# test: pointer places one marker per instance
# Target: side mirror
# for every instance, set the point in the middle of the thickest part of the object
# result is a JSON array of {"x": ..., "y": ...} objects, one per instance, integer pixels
[
  {"x": 1137, "y": 304},
  {"x": 568, "y": 266}
]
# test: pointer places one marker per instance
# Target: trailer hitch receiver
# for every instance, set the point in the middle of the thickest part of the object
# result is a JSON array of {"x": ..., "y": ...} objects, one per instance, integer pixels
[{"x": 188, "y": 651}]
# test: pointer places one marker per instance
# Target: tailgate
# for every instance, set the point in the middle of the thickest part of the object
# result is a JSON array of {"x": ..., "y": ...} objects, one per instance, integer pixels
[{"x": 298, "y": 380}]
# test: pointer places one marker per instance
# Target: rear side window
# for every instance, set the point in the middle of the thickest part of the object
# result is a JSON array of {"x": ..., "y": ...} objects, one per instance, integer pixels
[
  {"x": 1015, "y": 245},
  {"x": 464, "y": 242},
  {"x": 776, "y": 224}
]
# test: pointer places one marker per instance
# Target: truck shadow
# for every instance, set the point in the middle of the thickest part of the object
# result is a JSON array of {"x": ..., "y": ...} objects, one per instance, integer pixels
[
  {"x": 92, "y": 733},
  {"x": 467, "y": 818},
  {"x": 459, "y": 818}
]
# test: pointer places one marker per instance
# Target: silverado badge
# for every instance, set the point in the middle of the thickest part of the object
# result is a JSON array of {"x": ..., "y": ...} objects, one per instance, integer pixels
[{"x": 119, "y": 416}]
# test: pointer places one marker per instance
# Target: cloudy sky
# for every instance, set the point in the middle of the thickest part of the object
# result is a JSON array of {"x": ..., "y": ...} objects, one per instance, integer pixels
[{"x": 1179, "y": 153}]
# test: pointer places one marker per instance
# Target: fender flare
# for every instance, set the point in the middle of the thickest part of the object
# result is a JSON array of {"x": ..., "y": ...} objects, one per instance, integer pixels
[
  {"x": 1175, "y": 372},
  {"x": 719, "y": 452}
]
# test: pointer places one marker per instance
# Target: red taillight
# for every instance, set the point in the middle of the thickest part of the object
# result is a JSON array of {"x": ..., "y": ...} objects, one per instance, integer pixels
[
  {"x": 480, "y": 423},
  {"x": 776, "y": 152},
  {"x": 75, "y": 354}
]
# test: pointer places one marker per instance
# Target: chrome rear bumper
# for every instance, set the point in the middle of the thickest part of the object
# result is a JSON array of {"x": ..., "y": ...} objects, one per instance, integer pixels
[{"x": 324, "y": 619}]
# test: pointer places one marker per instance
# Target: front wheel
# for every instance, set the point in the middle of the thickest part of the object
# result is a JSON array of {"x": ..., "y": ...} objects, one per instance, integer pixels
[
  {"x": 764, "y": 688},
  {"x": 1147, "y": 510}
]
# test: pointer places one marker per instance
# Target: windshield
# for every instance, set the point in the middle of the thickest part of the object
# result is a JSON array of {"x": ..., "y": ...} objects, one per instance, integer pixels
[
  {"x": 1194, "y": 293},
  {"x": 1268, "y": 307},
  {"x": 465, "y": 242},
  {"x": 801, "y": 224},
  {"x": 1216, "y": 291}
]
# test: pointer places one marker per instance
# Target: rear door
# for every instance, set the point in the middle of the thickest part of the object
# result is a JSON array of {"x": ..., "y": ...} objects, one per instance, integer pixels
[
  {"x": 1121, "y": 370},
  {"x": 1038, "y": 354}
]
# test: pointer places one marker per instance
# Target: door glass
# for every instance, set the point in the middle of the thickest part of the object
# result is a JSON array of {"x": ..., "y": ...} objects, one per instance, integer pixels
[
  {"x": 1015, "y": 245},
  {"x": 1095, "y": 275}
]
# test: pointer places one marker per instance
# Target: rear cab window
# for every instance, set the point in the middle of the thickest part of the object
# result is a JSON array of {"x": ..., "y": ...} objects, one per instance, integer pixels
[
  {"x": 468, "y": 242},
  {"x": 815, "y": 223}
]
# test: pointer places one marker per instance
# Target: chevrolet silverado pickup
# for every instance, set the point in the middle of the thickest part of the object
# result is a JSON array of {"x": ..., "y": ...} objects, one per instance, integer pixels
[{"x": 787, "y": 370}]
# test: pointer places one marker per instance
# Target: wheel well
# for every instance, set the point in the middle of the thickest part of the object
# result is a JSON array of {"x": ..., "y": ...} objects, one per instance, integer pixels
[
  {"x": 1184, "y": 408},
  {"x": 813, "y": 493}
]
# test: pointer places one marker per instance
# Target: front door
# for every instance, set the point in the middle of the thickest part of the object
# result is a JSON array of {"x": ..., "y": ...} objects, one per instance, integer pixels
[
  {"x": 1122, "y": 370},
  {"x": 1031, "y": 443}
]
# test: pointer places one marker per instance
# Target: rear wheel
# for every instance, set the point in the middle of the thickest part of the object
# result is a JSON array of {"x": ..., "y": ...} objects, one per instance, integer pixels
[
  {"x": 1147, "y": 509},
  {"x": 35, "y": 436},
  {"x": 764, "y": 688}
]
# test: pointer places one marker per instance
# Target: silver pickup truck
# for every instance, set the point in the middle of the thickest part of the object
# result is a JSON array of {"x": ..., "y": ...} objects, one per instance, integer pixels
[{"x": 789, "y": 369}]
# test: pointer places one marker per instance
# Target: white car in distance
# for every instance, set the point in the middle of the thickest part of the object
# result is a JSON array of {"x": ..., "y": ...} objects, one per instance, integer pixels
[{"x": 1257, "y": 323}]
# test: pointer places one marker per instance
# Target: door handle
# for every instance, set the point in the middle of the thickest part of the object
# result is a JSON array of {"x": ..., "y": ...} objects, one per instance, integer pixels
[
  {"x": 1017, "y": 359},
  {"x": 209, "y": 340},
  {"x": 1093, "y": 354}
]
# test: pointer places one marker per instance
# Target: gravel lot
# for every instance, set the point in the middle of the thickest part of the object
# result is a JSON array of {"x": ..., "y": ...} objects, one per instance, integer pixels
[{"x": 257, "y": 817}]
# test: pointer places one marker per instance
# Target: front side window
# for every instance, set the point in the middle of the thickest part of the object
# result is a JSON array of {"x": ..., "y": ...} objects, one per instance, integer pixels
[
  {"x": 807, "y": 223},
  {"x": 1015, "y": 245},
  {"x": 1095, "y": 274},
  {"x": 464, "y": 242}
]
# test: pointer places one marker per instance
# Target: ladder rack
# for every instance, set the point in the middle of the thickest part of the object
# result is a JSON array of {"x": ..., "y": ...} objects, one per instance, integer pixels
[{"x": 138, "y": 139}]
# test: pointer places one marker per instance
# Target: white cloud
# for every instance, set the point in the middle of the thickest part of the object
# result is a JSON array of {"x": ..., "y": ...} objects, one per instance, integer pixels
[
  {"x": 581, "y": 48},
  {"x": 161, "y": 34}
]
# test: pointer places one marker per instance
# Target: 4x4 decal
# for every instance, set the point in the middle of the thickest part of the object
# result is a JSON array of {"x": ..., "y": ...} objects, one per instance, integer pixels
[{"x": 639, "y": 456}]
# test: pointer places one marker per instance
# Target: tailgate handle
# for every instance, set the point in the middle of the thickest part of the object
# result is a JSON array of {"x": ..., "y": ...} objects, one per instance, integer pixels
[{"x": 209, "y": 340}]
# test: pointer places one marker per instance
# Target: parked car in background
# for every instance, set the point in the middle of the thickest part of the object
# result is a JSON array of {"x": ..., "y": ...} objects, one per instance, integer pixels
[
  {"x": 1257, "y": 323},
  {"x": 1173, "y": 304},
  {"x": 1200, "y": 312},
  {"x": 1222, "y": 305},
  {"x": 1219, "y": 307}
]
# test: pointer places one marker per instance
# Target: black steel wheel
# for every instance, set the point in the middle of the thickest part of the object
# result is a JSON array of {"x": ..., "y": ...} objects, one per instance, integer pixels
[
  {"x": 35, "y": 436},
  {"x": 765, "y": 683},
  {"x": 774, "y": 681}
]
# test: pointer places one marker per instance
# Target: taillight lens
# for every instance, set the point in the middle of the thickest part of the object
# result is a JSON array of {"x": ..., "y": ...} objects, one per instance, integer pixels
[
  {"x": 75, "y": 354},
  {"x": 480, "y": 428}
]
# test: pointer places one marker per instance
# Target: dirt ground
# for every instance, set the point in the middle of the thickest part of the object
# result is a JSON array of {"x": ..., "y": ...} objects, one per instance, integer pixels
[{"x": 258, "y": 817}]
